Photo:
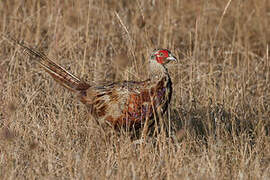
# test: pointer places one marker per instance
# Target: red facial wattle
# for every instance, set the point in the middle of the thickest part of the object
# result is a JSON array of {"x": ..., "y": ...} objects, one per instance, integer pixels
[{"x": 161, "y": 56}]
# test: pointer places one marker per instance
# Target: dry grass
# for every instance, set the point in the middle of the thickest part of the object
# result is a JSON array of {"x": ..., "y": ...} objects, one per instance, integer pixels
[{"x": 220, "y": 108}]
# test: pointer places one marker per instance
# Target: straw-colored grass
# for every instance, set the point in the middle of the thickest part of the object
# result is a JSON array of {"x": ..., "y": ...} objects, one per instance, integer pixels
[{"x": 220, "y": 110}]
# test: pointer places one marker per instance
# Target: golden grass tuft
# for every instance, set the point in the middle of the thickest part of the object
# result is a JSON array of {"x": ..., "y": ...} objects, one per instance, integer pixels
[{"x": 219, "y": 115}]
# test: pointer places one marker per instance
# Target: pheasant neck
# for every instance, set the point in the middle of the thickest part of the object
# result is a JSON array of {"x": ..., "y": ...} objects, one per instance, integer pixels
[
  {"x": 161, "y": 83},
  {"x": 158, "y": 71}
]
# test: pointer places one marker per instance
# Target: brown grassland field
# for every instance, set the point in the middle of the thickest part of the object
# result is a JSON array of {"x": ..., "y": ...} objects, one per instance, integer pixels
[{"x": 218, "y": 123}]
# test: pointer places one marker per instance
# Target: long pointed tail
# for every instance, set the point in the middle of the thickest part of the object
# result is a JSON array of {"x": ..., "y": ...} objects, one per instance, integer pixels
[{"x": 60, "y": 74}]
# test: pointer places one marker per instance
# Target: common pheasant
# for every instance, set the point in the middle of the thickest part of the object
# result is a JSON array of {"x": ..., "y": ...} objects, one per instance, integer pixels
[{"x": 123, "y": 104}]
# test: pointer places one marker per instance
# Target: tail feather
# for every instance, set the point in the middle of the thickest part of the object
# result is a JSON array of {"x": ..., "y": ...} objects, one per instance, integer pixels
[{"x": 58, "y": 73}]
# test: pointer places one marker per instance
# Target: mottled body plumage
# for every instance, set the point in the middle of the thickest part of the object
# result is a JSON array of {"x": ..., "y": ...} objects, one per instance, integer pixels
[{"x": 128, "y": 103}]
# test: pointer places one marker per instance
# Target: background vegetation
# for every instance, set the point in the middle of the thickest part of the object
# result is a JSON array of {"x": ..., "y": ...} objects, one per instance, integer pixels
[{"x": 221, "y": 103}]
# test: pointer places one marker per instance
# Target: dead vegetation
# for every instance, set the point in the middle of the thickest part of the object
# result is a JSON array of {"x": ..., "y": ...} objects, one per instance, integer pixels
[{"x": 219, "y": 115}]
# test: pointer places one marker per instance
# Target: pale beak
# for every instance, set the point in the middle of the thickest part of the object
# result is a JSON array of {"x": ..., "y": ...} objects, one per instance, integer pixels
[{"x": 172, "y": 58}]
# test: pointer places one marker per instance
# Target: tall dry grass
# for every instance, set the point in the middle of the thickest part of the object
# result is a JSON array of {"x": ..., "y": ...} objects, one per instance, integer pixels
[{"x": 219, "y": 114}]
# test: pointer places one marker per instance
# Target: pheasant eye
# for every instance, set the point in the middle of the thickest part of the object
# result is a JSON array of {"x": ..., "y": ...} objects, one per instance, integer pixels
[{"x": 161, "y": 54}]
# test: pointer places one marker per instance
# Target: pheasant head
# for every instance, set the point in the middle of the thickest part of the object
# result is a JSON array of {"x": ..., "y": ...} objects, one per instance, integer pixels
[
  {"x": 162, "y": 56},
  {"x": 158, "y": 59}
]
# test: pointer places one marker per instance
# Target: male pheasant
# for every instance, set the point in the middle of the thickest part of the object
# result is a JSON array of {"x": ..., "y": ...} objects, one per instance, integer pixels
[{"x": 123, "y": 104}]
